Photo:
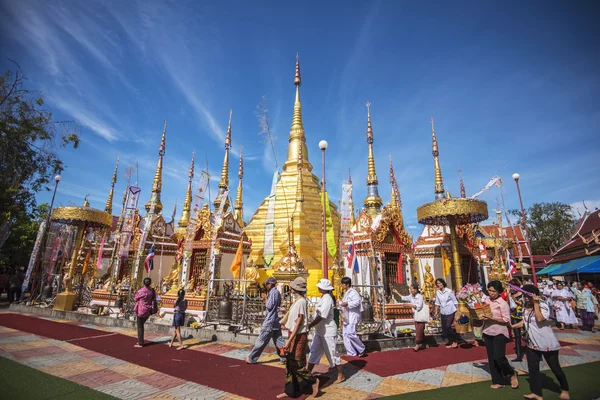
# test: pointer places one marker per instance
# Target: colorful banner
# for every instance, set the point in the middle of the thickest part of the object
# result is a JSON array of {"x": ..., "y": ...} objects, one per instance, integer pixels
[
  {"x": 269, "y": 248},
  {"x": 33, "y": 258},
  {"x": 345, "y": 213},
  {"x": 99, "y": 260},
  {"x": 55, "y": 250},
  {"x": 494, "y": 181},
  {"x": 331, "y": 246},
  {"x": 133, "y": 195}
]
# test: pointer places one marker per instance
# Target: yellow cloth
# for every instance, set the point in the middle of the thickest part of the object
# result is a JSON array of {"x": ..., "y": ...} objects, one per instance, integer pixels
[
  {"x": 87, "y": 260},
  {"x": 445, "y": 263},
  {"x": 236, "y": 265},
  {"x": 331, "y": 246}
]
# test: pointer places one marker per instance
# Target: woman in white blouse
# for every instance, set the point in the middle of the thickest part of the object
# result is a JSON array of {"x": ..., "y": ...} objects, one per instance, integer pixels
[
  {"x": 562, "y": 306},
  {"x": 416, "y": 301},
  {"x": 445, "y": 303},
  {"x": 541, "y": 342}
]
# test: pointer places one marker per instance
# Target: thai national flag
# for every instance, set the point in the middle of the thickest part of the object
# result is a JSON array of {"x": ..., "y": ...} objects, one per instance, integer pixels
[
  {"x": 511, "y": 267},
  {"x": 149, "y": 262},
  {"x": 351, "y": 257}
]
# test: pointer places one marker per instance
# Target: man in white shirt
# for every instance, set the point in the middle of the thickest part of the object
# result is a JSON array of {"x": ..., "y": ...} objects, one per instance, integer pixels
[
  {"x": 325, "y": 338},
  {"x": 351, "y": 308}
]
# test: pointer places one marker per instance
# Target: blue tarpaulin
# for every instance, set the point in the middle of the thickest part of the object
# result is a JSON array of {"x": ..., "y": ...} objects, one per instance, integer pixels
[
  {"x": 574, "y": 266},
  {"x": 549, "y": 269},
  {"x": 591, "y": 268}
]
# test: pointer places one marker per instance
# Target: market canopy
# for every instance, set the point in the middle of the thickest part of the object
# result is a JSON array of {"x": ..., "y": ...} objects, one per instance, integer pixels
[
  {"x": 549, "y": 269},
  {"x": 576, "y": 266}
]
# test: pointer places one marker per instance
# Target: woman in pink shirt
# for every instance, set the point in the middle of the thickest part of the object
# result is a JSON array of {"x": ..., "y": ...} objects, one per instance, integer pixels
[
  {"x": 145, "y": 305},
  {"x": 495, "y": 335}
]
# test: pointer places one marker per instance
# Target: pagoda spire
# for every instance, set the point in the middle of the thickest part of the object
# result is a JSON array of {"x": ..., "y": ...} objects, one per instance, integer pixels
[
  {"x": 157, "y": 184},
  {"x": 372, "y": 201},
  {"x": 224, "y": 182},
  {"x": 238, "y": 213},
  {"x": 439, "y": 184},
  {"x": 395, "y": 197},
  {"x": 351, "y": 202},
  {"x": 297, "y": 138},
  {"x": 184, "y": 221},
  {"x": 463, "y": 192},
  {"x": 111, "y": 193}
]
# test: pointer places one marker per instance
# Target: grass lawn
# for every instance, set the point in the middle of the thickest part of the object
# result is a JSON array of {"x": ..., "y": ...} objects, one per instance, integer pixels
[
  {"x": 584, "y": 384},
  {"x": 18, "y": 381}
]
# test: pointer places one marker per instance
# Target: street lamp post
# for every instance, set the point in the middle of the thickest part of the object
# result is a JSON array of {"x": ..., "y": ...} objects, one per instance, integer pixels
[
  {"x": 42, "y": 249},
  {"x": 323, "y": 146},
  {"x": 516, "y": 177}
]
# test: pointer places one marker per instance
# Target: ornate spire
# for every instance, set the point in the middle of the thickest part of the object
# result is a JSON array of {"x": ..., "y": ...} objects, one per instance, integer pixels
[
  {"x": 184, "y": 221},
  {"x": 297, "y": 138},
  {"x": 351, "y": 202},
  {"x": 395, "y": 197},
  {"x": 224, "y": 183},
  {"x": 111, "y": 193},
  {"x": 238, "y": 213},
  {"x": 463, "y": 192},
  {"x": 157, "y": 184},
  {"x": 439, "y": 184},
  {"x": 372, "y": 201}
]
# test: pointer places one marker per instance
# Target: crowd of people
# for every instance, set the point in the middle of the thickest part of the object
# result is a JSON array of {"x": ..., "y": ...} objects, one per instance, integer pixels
[{"x": 523, "y": 311}]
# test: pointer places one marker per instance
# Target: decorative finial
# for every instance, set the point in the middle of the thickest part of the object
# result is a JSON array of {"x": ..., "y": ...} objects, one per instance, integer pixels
[
  {"x": 297, "y": 78},
  {"x": 228, "y": 135},
  {"x": 349, "y": 177},
  {"x": 372, "y": 201},
  {"x": 395, "y": 197},
  {"x": 439, "y": 184},
  {"x": 239, "y": 204},
  {"x": 86, "y": 203},
  {"x": 184, "y": 221},
  {"x": 111, "y": 193},
  {"x": 463, "y": 192}
]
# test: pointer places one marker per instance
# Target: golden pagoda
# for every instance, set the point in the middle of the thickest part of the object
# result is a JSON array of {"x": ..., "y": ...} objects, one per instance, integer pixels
[
  {"x": 184, "y": 221},
  {"x": 372, "y": 201},
  {"x": 307, "y": 217}
]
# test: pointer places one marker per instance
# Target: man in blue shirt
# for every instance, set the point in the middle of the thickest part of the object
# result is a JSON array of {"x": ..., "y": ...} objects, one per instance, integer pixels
[{"x": 271, "y": 328}]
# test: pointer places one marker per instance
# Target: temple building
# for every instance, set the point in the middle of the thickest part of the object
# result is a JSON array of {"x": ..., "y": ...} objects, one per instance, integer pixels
[{"x": 268, "y": 228}]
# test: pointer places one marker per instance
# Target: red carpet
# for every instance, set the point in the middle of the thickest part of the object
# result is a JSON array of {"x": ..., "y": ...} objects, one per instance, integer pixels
[
  {"x": 389, "y": 363},
  {"x": 223, "y": 373}
]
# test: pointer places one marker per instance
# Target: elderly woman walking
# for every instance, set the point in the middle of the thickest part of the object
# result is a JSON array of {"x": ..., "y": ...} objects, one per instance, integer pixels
[
  {"x": 297, "y": 377},
  {"x": 145, "y": 306}
]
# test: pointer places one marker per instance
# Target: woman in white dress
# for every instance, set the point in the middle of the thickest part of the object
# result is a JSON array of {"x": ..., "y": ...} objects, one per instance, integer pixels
[{"x": 562, "y": 306}]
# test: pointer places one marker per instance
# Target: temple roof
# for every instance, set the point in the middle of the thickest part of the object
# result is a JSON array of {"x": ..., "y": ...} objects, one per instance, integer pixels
[
  {"x": 585, "y": 240},
  {"x": 516, "y": 236}
]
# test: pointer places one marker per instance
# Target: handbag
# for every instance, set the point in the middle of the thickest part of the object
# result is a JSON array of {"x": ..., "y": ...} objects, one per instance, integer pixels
[{"x": 423, "y": 314}]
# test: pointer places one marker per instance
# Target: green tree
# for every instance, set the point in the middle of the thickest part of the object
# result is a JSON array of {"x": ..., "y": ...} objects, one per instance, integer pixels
[
  {"x": 21, "y": 238},
  {"x": 29, "y": 141},
  {"x": 548, "y": 223}
]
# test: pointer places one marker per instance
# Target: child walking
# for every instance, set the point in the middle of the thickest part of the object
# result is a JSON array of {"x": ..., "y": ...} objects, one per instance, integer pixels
[{"x": 179, "y": 318}]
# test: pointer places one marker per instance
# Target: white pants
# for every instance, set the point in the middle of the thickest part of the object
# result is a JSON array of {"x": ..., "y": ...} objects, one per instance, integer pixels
[
  {"x": 353, "y": 344},
  {"x": 324, "y": 345}
]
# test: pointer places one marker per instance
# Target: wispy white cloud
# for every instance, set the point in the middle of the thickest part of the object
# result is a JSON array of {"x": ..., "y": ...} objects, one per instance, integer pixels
[{"x": 579, "y": 207}]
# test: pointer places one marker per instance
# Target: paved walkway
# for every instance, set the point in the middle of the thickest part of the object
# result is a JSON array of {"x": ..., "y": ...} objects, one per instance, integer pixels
[{"x": 130, "y": 381}]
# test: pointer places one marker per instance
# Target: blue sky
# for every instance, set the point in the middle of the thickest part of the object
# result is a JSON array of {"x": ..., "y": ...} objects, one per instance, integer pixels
[{"x": 512, "y": 87}]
